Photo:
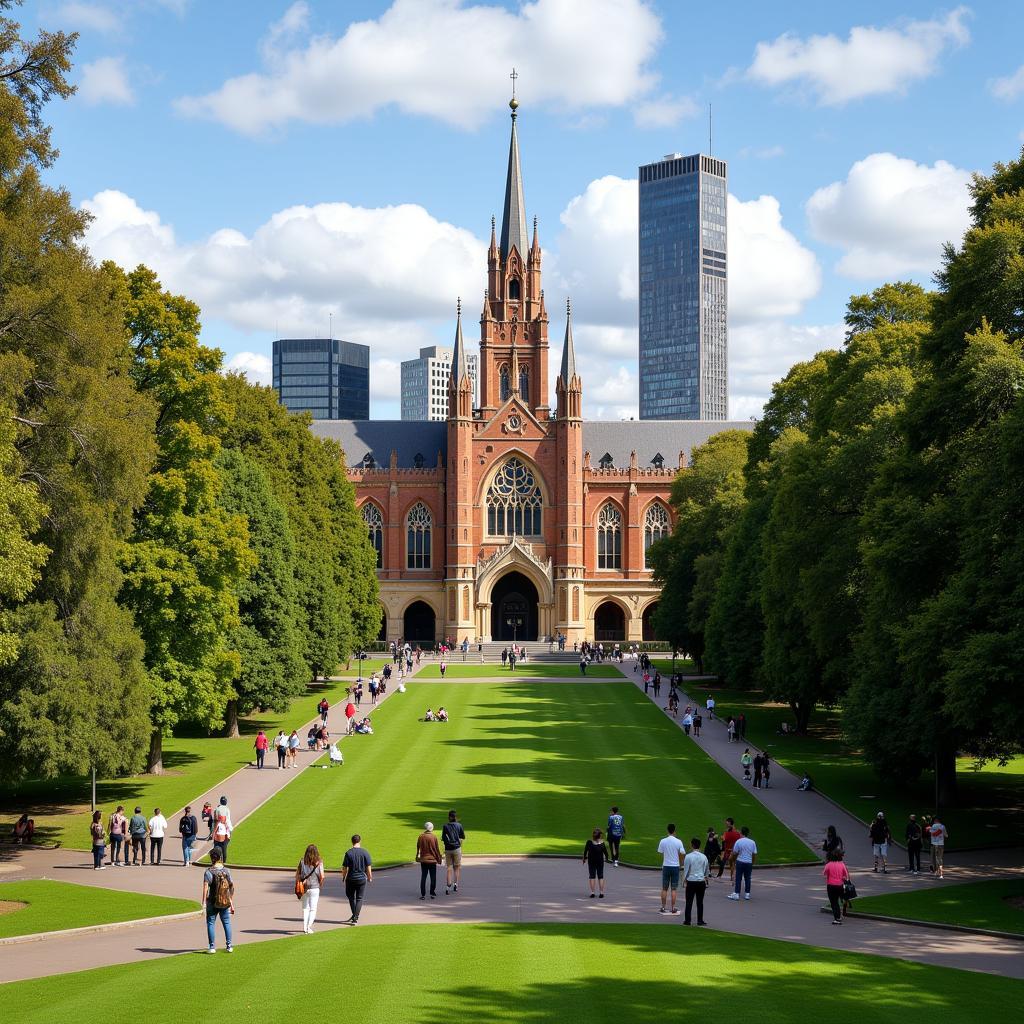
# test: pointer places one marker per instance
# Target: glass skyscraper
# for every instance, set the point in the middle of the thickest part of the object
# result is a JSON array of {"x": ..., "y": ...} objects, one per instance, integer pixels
[
  {"x": 683, "y": 289},
  {"x": 327, "y": 377}
]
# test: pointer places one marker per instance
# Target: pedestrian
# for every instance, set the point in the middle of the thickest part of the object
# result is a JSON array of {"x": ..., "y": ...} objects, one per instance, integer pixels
[
  {"x": 836, "y": 876},
  {"x": 647, "y": 682},
  {"x": 729, "y": 837},
  {"x": 938, "y": 835},
  {"x": 583, "y": 664},
  {"x": 157, "y": 831},
  {"x": 324, "y": 706},
  {"x": 880, "y": 836},
  {"x": 444, "y": 667},
  {"x": 504, "y": 656},
  {"x": 99, "y": 841},
  {"x": 766, "y": 768},
  {"x": 914, "y": 835},
  {"x": 117, "y": 827},
  {"x": 356, "y": 872},
  {"x": 261, "y": 743},
  {"x": 696, "y": 870},
  {"x": 453, "y": 835},
  {"x": 222, "y": 828},
  {"x": 293, "y": 749},
  {"x": 219, "y": 899},
  {"x": 741, "y": 726},
  {"x": 746, "y": 760},
  {"x": 281, "y": 746},
  {"x": 687, "y": 722},
  {"x": 512, "y": 660},
  {"x": 595, "y": 854},
  {"x": 744, "y": 854},
  {"x": 137, "y": 831},
  {"x": 713, "y": 852},
  {"x": 616, "y": 830},
  {"x": 428, "y": 856},
  {"x": 710, "y": 705},
  {"x": 188, "y": 829},
  {"x": 730, "y": 729},
  {"x": 698, "y": 721},
  {"x": 309, "y": 878},
  {"x": 672, "y": 852},
  {"x": 833, "y": 842},
  {"x": 758, "y": 770},
  {"x": 207, "y": 818}
]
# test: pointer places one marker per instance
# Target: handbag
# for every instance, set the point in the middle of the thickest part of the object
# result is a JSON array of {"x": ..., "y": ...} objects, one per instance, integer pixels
[
  {"x": 300, "y": 883},
  {"x": 849, "y": 890}
]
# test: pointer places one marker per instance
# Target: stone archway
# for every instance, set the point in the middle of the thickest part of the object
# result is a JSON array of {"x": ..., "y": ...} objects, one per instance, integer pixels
[
  {"x": 648, "y": 621},
  {"x": 514, "y": 608},
  {"x": 419, "y": 623},
  {"x": 609, "y": 622}
]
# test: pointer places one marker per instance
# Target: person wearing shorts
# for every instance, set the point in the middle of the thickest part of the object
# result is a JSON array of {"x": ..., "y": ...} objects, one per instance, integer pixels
[
  {"x": 595, "y": 854},
  {"x": 452, "y": 835},
  {"x": 672, "y": 853},
  {"x": 880, "y": 839}
]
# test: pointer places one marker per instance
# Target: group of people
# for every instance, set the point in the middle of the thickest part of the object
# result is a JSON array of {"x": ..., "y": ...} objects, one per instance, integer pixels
[
  {"x": 914, "y": 833},
  {"x": 512, "y": 656},
  {"x": 761, "y": 764},
  {"x": 440, "y": 715}
]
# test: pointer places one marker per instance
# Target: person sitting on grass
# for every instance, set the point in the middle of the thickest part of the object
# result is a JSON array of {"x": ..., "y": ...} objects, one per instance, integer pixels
[
  {"x": 806, "y": 785},
  {"x": 24, "y": 829},
  {"x": 364, "y": 727},
  {"x": 311, "y": 737},
  {"x": 429, "y": 716},
  {"x": 442, "y": 715}
]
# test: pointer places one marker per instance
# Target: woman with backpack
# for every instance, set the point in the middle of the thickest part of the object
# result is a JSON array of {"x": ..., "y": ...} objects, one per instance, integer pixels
[
  {"x": 219, "y": 900},
  {"x": 309, "y": 878}
]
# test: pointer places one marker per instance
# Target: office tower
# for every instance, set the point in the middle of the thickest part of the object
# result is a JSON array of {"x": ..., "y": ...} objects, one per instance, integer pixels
[
  {"x": 327, "y": 377},
  {"x": 683, "y": 289},
  {"x": 425, "y": 383}
]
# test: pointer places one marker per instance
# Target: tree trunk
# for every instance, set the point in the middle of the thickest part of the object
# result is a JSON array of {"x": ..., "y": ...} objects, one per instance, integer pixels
[
  {"x": 155, "y": 762},
  {"x": 945, "y": 776},
  {"x": 802, "y": 714},
  {"x": 231, "y": 720},
  {"x": 699, "y": 660}
]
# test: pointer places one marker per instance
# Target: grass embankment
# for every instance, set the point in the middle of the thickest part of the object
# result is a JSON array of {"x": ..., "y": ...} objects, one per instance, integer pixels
[
  {"x": 533, "y": 974},
  {"x": 530, "y": 768},
  {"x": 531, "y": 670},
  {"x": 996, "y": 905},
  {"x": 192, "y": 765},
  {"x": 991, "y": 810},
  {"x": 54, "y": 906}
]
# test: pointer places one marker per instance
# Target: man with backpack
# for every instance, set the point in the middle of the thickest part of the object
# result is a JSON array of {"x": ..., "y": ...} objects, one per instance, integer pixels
[
  {"x": 616, "y": 830},
  {"x": 452, "y": 835},
  {"x": 188, "y": 829},
  {"x": 219, "y": 900},
  {"x": 222, "y": 828}
]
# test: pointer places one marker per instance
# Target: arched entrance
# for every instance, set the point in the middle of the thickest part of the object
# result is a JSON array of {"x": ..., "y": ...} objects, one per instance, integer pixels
[
  {"x": 514, "y": 604},
  {"x": 648, "y": 621},
  {"x": 609, "y": 622},
  {"x": 418, "y": 623}
]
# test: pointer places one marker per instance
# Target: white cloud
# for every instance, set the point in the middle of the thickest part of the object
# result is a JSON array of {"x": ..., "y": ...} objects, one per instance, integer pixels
[
  {"x": 891, "y": 215},
  {"x": 665, "y": 111},
  {"x": 93, "y": 17},
  {"x": 106, "y": 81},
  {"x": 870, "y": 62},
  {"x": 1008, "y": 87},
  {"x": 445, "y": 59},
  {"x": 255, "y": 366},
  {"x": 293, "y": 22}
]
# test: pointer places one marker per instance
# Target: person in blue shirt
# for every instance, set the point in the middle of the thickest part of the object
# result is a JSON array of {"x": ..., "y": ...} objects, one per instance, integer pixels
[{"x": 616, "y": 830}]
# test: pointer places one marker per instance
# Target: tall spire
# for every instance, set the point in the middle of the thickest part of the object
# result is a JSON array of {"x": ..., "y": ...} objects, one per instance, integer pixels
[
  {"x": 459, "y": 369},
  {"x": 513, "y": 217},
  {"x": 568, "y": 351}
]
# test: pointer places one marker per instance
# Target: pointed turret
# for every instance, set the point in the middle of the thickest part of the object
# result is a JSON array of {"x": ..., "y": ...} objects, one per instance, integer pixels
[
  {"x": 460, "y": 387},
  {"x": 568, "y": 370},
  {"x": 459, "y": 351},
  {"x": 513, "y": 217},
  {"x": 568, "y": 387}
]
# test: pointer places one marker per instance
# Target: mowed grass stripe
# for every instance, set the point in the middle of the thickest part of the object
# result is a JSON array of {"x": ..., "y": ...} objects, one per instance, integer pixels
[
  {"x": 531, "y": 768},
  {"x": 531, "y": 670}
]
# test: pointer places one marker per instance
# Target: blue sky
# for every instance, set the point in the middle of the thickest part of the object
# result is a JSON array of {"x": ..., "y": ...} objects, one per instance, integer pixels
[{"x": 285, "y": 162}]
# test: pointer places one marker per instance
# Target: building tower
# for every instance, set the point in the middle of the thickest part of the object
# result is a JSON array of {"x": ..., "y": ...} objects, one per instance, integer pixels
[{"x": 326, "y": 377}]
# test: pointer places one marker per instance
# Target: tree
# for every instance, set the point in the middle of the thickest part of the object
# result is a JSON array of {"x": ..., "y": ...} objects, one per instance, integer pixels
[{"x": 897, "y": 303}]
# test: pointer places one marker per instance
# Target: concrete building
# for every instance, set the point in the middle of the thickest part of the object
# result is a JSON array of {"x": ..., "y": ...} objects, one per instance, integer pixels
[
  {"x": 425, "y": 384},
  {"x": 684, "y": 362},
  {"x": 327, "y": 377}
]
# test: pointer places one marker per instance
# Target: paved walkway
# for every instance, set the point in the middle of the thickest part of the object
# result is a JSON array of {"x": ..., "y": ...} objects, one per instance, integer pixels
[{"x": 786, "y": 902}]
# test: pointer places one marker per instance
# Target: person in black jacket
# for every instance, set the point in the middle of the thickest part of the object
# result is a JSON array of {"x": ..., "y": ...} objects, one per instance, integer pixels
[
  {"x": 595, "y": 856},
  {"x": 833, "y": 842},
  {"x": 914, "y": 834},
  {"x": 713, "y": 852},
  {"x": 188, "y": 827},
  {"x": 881, "y": 836}
]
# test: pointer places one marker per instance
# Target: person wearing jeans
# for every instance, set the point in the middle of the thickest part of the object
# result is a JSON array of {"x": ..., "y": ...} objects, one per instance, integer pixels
[
  {"x": 836, "y": 874},
  {"x": 137, "y": 830},
  {"x": 744, "y": 854},
  {"x": 157, "y": 828},
  {"x": 356, "y": 871},
  {"x": 209, "y": 899},
  {"x": 188, "y": 827},
  {"x": 99, "y": 841},
  {"x": 428, "y": 856},
  {"x": 117, "y": 825}
]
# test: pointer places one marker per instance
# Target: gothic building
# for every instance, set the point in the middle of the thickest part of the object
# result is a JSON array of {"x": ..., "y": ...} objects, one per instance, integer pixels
[{"x": 513, "y": 520}]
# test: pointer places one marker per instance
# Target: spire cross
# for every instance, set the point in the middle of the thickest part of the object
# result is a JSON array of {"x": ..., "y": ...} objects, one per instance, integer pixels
[
  {"x": 514, "y": 76},
  {"x": 458, "y": 306}
]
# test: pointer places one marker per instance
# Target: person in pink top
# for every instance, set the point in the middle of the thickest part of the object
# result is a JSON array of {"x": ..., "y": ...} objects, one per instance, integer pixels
[
  {"x": 261, "y": 745},
  {"x": 836, "y": 875}
]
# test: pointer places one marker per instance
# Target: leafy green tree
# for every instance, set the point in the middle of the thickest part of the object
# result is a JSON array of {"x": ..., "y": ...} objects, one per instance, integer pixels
[{"x": 900, "y": 302}]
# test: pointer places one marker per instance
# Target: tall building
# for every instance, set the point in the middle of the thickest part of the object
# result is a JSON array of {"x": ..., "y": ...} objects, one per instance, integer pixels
[
  {"x": 327, "y": 377},
  {"x": 683, "y": 289},
  {"x": 425, "y": 384},
  {"x": 516, "y": 519}
]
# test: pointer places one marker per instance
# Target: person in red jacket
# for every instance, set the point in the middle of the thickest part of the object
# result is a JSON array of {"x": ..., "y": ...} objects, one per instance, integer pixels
[
  {"x": 729, "y": 837},
  {"x": 261, "y": 743}
]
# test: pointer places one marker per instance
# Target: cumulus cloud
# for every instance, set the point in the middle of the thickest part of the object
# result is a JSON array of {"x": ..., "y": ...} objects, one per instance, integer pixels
[
  {"x": 441, "y": 58},
  {"x": 255, "y": 366},
  {"x": 664, "y": 111},
  {"x": 1008, "y": 87},
  {"x": 869, "y": 62},
  {"x": 106, "y": 81},
  {"x": 891, "y": 215}
]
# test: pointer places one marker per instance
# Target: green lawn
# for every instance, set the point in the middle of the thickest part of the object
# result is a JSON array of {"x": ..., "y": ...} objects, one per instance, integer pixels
[
  {"x": 192, "y": 765},
  {"x": 374, "y": 664},
  {"x": 973, "y": 904},
  {"x": 664, "y": 666},
  {"x": 534, "y": 974},
  {"x": 530, "y": 767},
  {"x": 54, "y": 906},
  {"x": 531, "y": 670},
  {"x": 991, "y": 810}
]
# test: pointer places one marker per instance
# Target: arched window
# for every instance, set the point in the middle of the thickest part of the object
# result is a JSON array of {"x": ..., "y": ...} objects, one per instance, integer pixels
[
  {"x": 417, "y": 548},
  {"x": 375, "y": 525},
  {"x": 609, "y": 537},
  {"x": 504, "y": 388},
  {"x": 656, "y": 526},
  {"x": 514, "y": 502},
  {"x": 513, "y": 289},
  {"x": 524, "y": 385}
]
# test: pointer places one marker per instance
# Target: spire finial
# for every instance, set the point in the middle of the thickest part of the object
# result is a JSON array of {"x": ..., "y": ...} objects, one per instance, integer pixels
[
  {"x": 458, "y": 306},
  {"x": 513, "y": 103},
  {"x": 568, "y": 306}
]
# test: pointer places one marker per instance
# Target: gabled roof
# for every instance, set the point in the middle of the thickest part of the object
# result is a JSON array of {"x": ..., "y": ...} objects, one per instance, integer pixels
[
  {"x": 378, "y": 437},
  {"x": 618, "y": 438}
]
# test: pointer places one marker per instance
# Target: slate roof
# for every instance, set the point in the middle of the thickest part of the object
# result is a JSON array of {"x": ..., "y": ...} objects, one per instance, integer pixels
[
  {"x": 378, "y": 437},
  {"x": 649, "y": 438}
]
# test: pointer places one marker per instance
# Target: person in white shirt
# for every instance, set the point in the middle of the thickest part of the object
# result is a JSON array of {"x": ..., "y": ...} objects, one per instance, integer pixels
[
  {"x": 711, "y": 709},
  {"x": 744, "y": 853},
  {"x": 157, "y": 828},
  {"x": 695, "y": 875},
  {"x": 671, "y": 850},
  {"x": 937, "y": 833}
]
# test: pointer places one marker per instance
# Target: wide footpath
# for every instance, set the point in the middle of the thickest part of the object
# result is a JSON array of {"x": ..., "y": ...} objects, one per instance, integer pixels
[{"x": 786, "y": 903}]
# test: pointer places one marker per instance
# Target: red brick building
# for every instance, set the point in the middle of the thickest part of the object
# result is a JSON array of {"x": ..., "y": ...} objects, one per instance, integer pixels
[{"x": 515, "y": 520}]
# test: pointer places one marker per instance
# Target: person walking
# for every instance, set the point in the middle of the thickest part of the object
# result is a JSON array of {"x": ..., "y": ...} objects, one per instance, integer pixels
[
  {"x": 222, "y": 828},
  {"x": 730, "y": 730},
  {"x": 261, "y": 743},
  {"x": 117, "y": 827},
  {"x": 453, "y": 835},
  {"x": 504, "y": 656},
  {"x": 188, "y": 829},
  {"x": 937, "y": 834},
  {"x": 443, "y": 667},
  {"x": 672, "y": 852},
  {"x": 356, "y": 872},
  {"x": 914, "y": 835},
  {"x": 99, "y": 841},
  {"x": 766, "y": 768},
  {"x": 428, "y": 856},
  {"x": 293, "y": 747},
  {"x": 698, "y": 721},
  {"x": 713, "y": 852},
  {"x": 616, "y": 830},
  {"x": 758, "y": 769},
  {"x": 137, "y": 831},
  {"x": 309, "y": 878},
  {"x": 157, "y": 831},
  {"x": 836, "y": 876},
  {"x": 281, "y": 746},
  {"x": 833, "y": 842},
  {"x": 746, "y": 760},
  {"x": 595, "y": 854},
  {"x": 880, "y": 836},
  {"x": 687, "y": 721},
  {"x": 583, "y": 664},
  {"x": 744, "y": 854},
  {"x": 696, "y": 870},
  {"x": 512, "y": 659},
  {"x": 324, "y": 706},
  {"x": 741, "y": 726},
  {"x": 710, "y": 705},
  {"x": 729, "y": 837},
  {"x": 219, "y": 900}
]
